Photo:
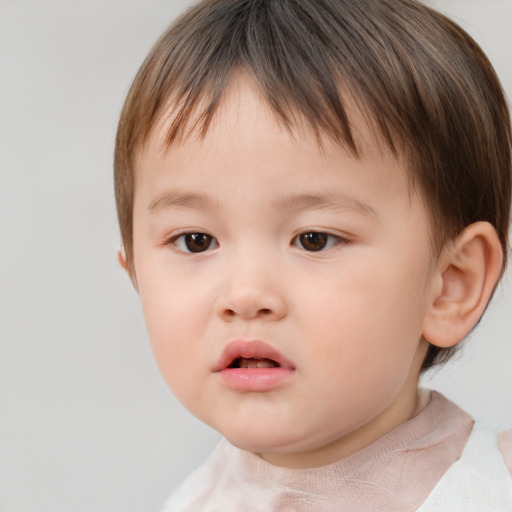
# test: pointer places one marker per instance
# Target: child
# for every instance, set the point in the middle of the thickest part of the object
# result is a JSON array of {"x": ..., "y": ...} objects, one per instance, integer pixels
[{"x": 314, "y": 200}]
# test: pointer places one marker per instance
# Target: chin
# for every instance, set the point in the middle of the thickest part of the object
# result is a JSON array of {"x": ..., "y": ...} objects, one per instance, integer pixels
[{"x": 261, "y": 440}]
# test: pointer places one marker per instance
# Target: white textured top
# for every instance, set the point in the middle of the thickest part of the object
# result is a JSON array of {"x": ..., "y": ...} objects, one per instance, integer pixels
[
  {"x": 478, "y": 482},
  {"x": 419, "y": 463}
]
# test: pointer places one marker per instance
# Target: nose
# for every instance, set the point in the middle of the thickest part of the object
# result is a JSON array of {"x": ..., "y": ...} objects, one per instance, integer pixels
[{"x": 250, "y": 292}]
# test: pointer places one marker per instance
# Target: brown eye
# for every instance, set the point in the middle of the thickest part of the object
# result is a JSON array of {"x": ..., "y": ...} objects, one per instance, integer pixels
[
  {"x": 314, "y": 241},
  {"x": 194, "y": 242},
  {"x": 198, "y": 242}
]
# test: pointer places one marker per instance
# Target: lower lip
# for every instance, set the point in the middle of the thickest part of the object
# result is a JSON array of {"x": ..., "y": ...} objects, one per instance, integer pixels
[{"x": 257, "y": 380}]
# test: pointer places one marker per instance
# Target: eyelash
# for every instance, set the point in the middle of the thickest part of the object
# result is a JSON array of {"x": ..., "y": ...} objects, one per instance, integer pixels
[{"x": 326, "y": 240}]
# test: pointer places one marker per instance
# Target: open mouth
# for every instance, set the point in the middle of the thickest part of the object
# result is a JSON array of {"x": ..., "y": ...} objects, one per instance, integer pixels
[
  {"x": 253, "y": 366},
  {"x": 252, "y": 354},
  {"x": 254, "y": 362}
]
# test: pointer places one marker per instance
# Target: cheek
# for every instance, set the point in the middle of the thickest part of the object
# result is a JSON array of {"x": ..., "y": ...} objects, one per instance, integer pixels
[
  {"x": 367, "y": 322},
  {"x": 176, "y": 316}
]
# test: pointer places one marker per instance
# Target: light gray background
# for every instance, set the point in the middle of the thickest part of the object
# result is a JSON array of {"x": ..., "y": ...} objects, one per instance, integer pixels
[{"x": 86, "y": 422}]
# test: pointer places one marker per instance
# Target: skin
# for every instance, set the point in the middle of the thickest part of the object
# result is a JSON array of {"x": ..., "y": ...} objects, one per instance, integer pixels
[{"x": 350, "y": 317}]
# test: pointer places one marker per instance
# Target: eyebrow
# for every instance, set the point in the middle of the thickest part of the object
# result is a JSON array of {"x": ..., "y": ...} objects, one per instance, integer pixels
[
  {"x": 326, "y": 201},
  {"x": 169, "y": 200}
]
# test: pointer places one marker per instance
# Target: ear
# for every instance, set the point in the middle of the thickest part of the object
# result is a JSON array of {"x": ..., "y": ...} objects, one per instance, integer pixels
[
  {"x": 121, "y": 259},
  {"x": 467, "y": 273}
]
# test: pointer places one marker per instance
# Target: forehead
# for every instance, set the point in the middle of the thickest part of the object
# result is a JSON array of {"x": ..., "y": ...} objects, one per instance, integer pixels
[
  {"x": 247, "y": 147},
  {"x": 243, "y": 104}
]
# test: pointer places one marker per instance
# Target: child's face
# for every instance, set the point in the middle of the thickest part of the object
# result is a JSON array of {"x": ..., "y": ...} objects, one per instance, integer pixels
[{"x": 255, "y": 244}]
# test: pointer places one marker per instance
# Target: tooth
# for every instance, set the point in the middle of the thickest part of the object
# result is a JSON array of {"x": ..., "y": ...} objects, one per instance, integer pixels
[
  {"x": 256, "y": 363},
  {"x": 264, "y": 364}
]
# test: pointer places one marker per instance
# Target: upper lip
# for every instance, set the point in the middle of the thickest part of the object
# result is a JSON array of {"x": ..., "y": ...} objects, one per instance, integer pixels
[{"x": 250, "y": 349}]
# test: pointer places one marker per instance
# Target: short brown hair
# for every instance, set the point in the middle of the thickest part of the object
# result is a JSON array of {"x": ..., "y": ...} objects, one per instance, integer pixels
[{"x": 425, "y": 84}]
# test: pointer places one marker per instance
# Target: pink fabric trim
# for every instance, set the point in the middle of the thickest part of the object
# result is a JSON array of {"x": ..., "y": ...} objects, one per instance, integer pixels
[
  {"x": 396, "y": 473},
  {"x": 505, "y": 446}
]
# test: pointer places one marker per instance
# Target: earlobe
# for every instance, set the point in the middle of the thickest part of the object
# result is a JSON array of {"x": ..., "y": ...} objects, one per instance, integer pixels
[{"x": 466, "y": 276}]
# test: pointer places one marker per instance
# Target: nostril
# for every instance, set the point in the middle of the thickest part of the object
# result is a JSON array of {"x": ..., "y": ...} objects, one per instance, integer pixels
[{"x": 236, "y": 304}]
